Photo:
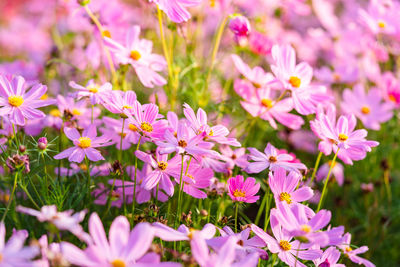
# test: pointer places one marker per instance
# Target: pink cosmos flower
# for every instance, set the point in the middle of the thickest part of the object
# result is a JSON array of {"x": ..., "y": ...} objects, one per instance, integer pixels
[
  {"x": 281, "y": 244},
  {"x": 391, "y": 88},
  {"x": 380, "y": 17},
  {"x": 329, "y": 258},
  {"x": 337, "y": 172},
  {"x": 243, "y": 190},
  {"x": 119, "y": 102},
  {"x": 195, "y": 179},
  {"x": 163, "y": 169},
  {"x": 341, "y": 135},
  {"x": 199, "y": 125},
  {"x": 92, "y": 90},
  {"x": 244, "y": 244},
  {"x": 240, "y": 26},
  {"x": 263, "y": 105},
  {"x": 122, "y": 248},
  {"x": 297, "y": 79},
  {"x": 137, "y": 52},
  {"x": 113, "y": 130},
  {"x": 368, "y": 107},
  {"x": 19, "y": 104},
  {"x": 234, "y": 158},
  {"x": 176, "y": 9},
  {"x": 84, "y": 145},
  {"x": 294, "y": 219},
  {"x": 13, "y": 252},
  {"x": 62, "y": 220},
  {"x": 284, "y": 187},
  {"x": 352, "y": 254},
  {"x": 147, "y": 120},
  {"x": 271, "y": 159}
]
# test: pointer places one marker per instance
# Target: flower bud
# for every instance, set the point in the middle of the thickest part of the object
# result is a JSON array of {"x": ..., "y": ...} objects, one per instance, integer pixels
[
  {"x": 83, "y": 2},
  {"x": 42, "y": 143},
  {"x": 239, "y": 25}
]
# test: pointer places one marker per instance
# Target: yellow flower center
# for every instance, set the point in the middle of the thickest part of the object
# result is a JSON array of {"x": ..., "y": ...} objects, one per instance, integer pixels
[
  {"x": 44, "y": 97},
  {"x": 1, "y": 257},
  {"x": 126, "y": 106},
  {"x": 106, "y": 33},
  {"x": 211, "y": 133},
  {"x": 256, "y": 85},
  {"x": 147, "y": 127},
  {"x": 76, "y": 112},
  {"x": 182, "y": 143},
  {"x": 118, "y": 263},
  {"x": 330, "y": 163},
  {"x": 83, "y": 167},
  {"x": 305, "y": 228},
  {"x": 365, "y": 110},
  {"x": 123, "y": 135},
  {"x": 135, "y": 55},
  {"x": 343, "y": 137},
  {"x": 272, "y": 159},
  {"x": 55, "y": 113},
  {"x": 239, "y": 193},
  {"x": 336, "y": 77},
  {"x": 285, "y": 245},
  {"x": 212, "y": 3},
  {"x": 162, "y": 165},
  {"x": 191, "y": 232},
  {"x": 381, "y": 24},
  {"x": 132, "y": 127},
  {"x": 84, "y": 142},
  {"x": 266, "y": 102},
  {"x": 15, "y": 100},
  {"x": 295, "y": 81},
  {"x": 392, "y": 98},
  {"x": 348, "y": 249},
  {"x": 285, "y": 197},
  {"x": 93, "y": 88},
  {"x": 190, "y": 176}
]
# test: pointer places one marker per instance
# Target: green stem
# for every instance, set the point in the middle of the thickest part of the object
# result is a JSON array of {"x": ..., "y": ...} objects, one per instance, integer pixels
[
  {"x": 11, "y": 196},
  {"x": 120, "y": 160},
  {"x": 267, "y": 213},
  {"x": 46, "y": 176},
  {"x": 236, "y": 216},
  {"x": 315, "y": 167},
  {"x": 178, "y": 215},
  {"x": 326, "y": 180},
  {"x": 30, "y": 197},
  {"x": 88, "y": 178},
  {"x": 15, "y": 137},
  {"x": 134, "y": 182},
  {"x": 92, "y": 116},
  {"x": 260, "y": 210}
]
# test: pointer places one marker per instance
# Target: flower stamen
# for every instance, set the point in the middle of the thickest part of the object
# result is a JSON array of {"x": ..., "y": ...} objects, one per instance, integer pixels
[
  {"x": 84, "y": 142},
  {"x": 285, "y": 245},
  {"x": 295, "y": 81},
  {"x": 285, "y": 197},
  {"x": 15, "y": 100}
]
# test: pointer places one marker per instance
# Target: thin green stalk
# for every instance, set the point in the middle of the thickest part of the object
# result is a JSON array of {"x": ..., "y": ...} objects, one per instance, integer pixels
[
  {"x": 158, "y": 188},
  {"x": 315, "y": 167},
  {"x": 134, "y": 182},
  {"x": 15, "y": 137},
  {"x": 179, "y": 211},
  {"x": 30, "y": 197},
  {"x": 326, "y": 181},
  {"x": 267, "y": 213},
  {"x": 11, "y": 196},
  {"x": 215, "y": 48},
  {"x": 46, "y": 176},
  {"x": 209, "y": 210},
  {"x": 120, "y": 160},
  {"x": 297, "y": 255},
  {"x": 260, "y": 210},
  {"x": 88, "y": 178},
  {"x": 92, "y": 116},
  {"x": 236, "y": 216}
]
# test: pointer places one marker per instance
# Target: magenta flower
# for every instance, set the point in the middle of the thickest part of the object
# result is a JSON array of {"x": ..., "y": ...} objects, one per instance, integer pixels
[
  {"x": 263, "y": 105},
  {"x": 391, "y": 88},
  {"x": 296, "y": 221},
  {"x": 92, "y": 90},
  {"x": 272, "y": 159},
  {"x": 352, "y": 254},
  {"x": 240, "y": 26},
  {"x": 284, "y": 187},
  {"x": 176, "y": 9},
  {"x": 62, "y": 220},
  {"x": 137, "y": 52},
  {"x": 368, "y": 107},
  {"x": 19, "y": 104},
  {"x": 84, "y": 145},
  {"x": 13, "y": 252},
  {"x": 119, "y": 102},
  {"x": 337, "y": 172},
  {"x": 243, "y": 190},
  {"x": 163, "y": 169},
  {"x": 352, "y": 143},
  {"x": 330, "y": 258},
  {"x": 122, "y": 248},
  {"x": 297, "y": 79},
  {"x": 195, "y": 179},
  {"x": 281, "y": 244}
]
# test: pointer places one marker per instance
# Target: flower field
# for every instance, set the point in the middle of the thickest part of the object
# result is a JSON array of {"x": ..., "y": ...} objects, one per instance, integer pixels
[{"x": 199, "y": 133}]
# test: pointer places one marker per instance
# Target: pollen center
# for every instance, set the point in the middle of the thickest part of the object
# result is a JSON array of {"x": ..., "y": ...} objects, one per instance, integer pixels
[
  {"x": 126, "y": 106},
  {"x": 266, "y": 102},
  {"x": 106, "y": 33},
  {"x": 285, "y": 245},
  {"x": 84, "y": 142},
  {"x": 381, "y": 24},
  {"x": 118, "y": 263},
  {"x": 55, "y": 113},
  {"x": 147, "y": 127},
  {"x": 132, "y": 127},
  {"x": 392, "y": 97},
  {"x": 348, "y": 249},
  {"x": 239, "y": 193},
  {"x": 295, "y": 81},
  {"x": 305, "y": 228},
  {"x": 272, "y": 159},
  {"x": 343, "y": 137},
  {"x": 182, "y": 143},
  {"x": 256, "y": 85},
  {"x": 15, "y": 100},
  {"x": 135, "y": 55},
  {"x": 365, "y": 110},
  {"x": 162, "y": 165},
  {"x": 285, "y": 197},
  {"x": 93, "y": 88},
  {"x": 76, "y": 112}
]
